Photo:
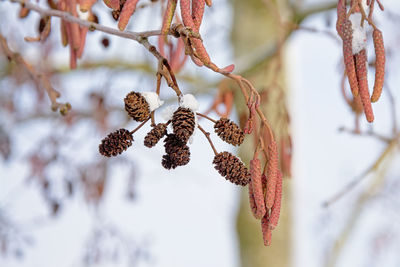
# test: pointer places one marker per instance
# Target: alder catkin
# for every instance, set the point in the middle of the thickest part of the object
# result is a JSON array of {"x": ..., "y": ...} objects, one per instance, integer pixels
[
  {"x": 197, "y": 12},
  {"x": 272, "y": 171},
  {"x": 258, "y": 194},
  {"x": 379, "y": 64},
  {"x": 126, "y": 13},
  {"x": 168, "y": 16},
  {"x": 348, "y": 57},
  {"x": 361, "y": 68},
  {"x": 341, "y": 17},
  {"x": 276, "y": 208},
  {"x": 252, "y": 201},
  {"x": 266, "y": 230}
]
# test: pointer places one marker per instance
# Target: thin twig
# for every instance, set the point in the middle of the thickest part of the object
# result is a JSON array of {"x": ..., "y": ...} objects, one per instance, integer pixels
[
  {"x": 363, "y": 175},
  {"x": 140, "y": 125},
  {"x": 207, "y": 135},
  {"x": 205, "y": 116}
]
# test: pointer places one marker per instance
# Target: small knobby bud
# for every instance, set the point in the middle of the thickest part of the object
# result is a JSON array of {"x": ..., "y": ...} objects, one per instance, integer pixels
[
  {"x": 137, "y": 106},
  {"x": 255, "y": 171},
  {"x": 361, "y": 70},
  {"x": 158, "y": 132},
  {"x": 232, "y": 168},
  {"x": 229, "y": 131},
  {"x": 276, "y": 208},
  {"x": 272, "y": 171},
  {"x": 183, "y": 123},
  {"x": 115, "y": 143},
  {"x": 379, "y": 64}
]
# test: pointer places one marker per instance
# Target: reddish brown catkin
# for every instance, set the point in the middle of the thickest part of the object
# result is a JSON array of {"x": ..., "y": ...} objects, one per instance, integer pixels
[
  {"x": 276, "y": 208},
  {"x": 126, "y": 13},
  {"x": 348, "y": 57},
  {"x": 84, "y": 31},
  {"x": 266, "y": 230},
  {"x": 379, "y": 64},
  {"x": 272, "y": 172},
  {"x": 361, "y": 68},
  {"x": 197, "y": 12},
  {"x": 85, "y": 5},
  {"x": 114, "y": 4},
  {"x": 341, "y": 17},
  {"x": 255, "y": 171},
  {"x": 168, "y": 16},
  {"x": 252, "y": 201},
  {"x": 75, "y": 40}
]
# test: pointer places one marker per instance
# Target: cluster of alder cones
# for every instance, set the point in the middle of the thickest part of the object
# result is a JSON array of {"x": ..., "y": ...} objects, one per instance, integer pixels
[
  {"x": 351, "y": 28},
  {"x": 265, "y": 190},
  {"x": 183, "y": 122}
]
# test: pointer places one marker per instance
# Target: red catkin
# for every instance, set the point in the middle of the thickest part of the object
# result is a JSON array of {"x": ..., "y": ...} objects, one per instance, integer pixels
[
  {"x": 114, "y": 4},
  {"x": 272, "y": 173},
  {"x": 266, "y": 230},
  {"x": 348, "y": 57},
  {"x": 168, "y": 16},
  {"x": 197, "y": 12},
  {"x": 85, "y": 5},
  {"x": 84, "y": 31},
  {"x": 341, "y": 17},
  {"x": 126, "y": 13},
  {"x": 74, "y": 41},
  {"x": 379, "y": 64},
  {"x": 276, "y": 208},
  {"x": 255, "y": 172},
  {"x": 361, "y": 69},
  {"x": 252, "y": 201}
]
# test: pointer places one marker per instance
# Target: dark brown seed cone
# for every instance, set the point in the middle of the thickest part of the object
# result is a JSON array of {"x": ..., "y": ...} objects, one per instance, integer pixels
[
  {"x": 115, "y": 143},
  {"x": 178, "y": 153},
  {"x": 183, "y": 123},
  {"x": 229, "y": 131},
  {"x": 232, "y": 168},
  {"x": 155, "y": 135},
  {"x": 137, "y": 106}
]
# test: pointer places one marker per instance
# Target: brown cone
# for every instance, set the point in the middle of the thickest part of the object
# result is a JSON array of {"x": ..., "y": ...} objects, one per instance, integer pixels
[
  {"x": 177, "y": 153},
  {"x": 229, "y": 131},
  {"x": 183, "y": 123},
  {"x": 115, "y": 143},
  {"x": 158, "y": 132},
  {"x": 137, "y": 106},
  {"x": 232, "y": 168}
]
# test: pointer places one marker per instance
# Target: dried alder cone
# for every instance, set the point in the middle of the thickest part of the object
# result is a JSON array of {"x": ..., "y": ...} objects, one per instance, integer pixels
[
  {"x": 116, "y": 143},
  {"x": 351, "y": 27},
  {"x": 137, "y": 106}
]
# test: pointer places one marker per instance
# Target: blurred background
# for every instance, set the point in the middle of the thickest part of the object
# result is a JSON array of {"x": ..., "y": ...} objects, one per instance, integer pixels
[{"x": 63, "y": 204}]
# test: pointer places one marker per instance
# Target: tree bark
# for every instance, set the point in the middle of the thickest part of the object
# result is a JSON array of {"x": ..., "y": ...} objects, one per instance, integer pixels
[{"x": 256, "y": 28}]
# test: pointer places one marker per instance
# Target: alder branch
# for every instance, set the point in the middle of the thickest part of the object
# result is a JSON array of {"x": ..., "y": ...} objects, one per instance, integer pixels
[{"x": 40, "y": 79}]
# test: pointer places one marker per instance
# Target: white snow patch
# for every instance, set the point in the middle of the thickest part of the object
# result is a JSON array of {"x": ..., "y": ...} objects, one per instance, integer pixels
[
  {"x": 190, "y": 102},
  {"x": 153, "y": 100},
  {"x": 168, "y": 112},
  {"x": 359, "y": 41},
  {"x": 82, "y": 15}
]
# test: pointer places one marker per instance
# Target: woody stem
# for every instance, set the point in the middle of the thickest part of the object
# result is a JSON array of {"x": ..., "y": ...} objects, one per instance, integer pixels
[
  {"x": 207, "y": 135},
  {"x": 205, "y": 116}
]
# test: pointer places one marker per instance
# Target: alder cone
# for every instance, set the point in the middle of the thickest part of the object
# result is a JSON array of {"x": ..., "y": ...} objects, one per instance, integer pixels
[
  {"x": 115, "y": 143},
  {"x": 137, "y": 106},
  {"x": 229, "y": 131},
  {"x": 177, "y": 152},
  {"x": 183, "y": 123},
  {"x": 158, "y": 132},
  {"x": 232, "y": 168}
]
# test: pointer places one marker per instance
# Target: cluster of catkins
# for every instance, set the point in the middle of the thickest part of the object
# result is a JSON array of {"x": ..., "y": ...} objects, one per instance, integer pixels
[
  {"x": 352, "y": 29},
  {"x": 139, "y": 106}
]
